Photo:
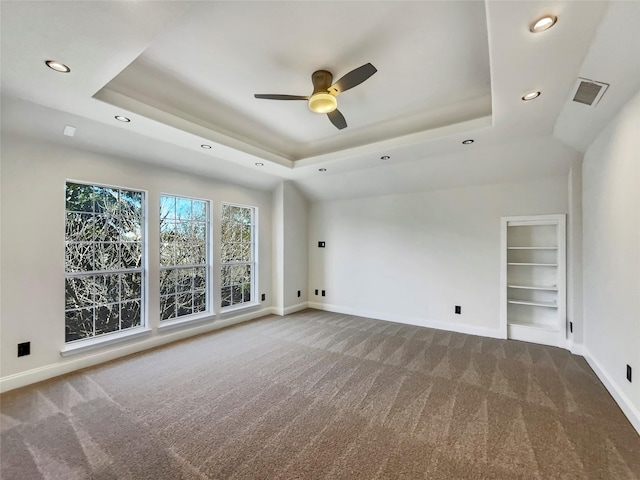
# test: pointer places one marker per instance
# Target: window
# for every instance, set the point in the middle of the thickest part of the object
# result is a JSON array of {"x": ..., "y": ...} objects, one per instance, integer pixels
[
  {"x": 237, "y": 255},
  {"x": 184, "y": 236},
  {"x": 104, "y": 249}
]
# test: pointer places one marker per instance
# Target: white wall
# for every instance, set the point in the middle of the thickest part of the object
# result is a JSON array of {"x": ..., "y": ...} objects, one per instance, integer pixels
[
  {"x": 32, "y": 257},
  {"x": 413, "y": 257},
  {"x": 290, "y": 249},
  {"x": 611, "y": 245},
  {"x": 277, "y": 277},
  {"x": 574, "y": 258},
  {"x": 296, "y": 251}
]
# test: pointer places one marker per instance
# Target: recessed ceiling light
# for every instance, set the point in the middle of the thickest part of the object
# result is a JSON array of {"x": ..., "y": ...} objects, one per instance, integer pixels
[
  {"x": 204, "y": 145},
  {"x": 259, "y": 164},
  {"x": 57, "y": 66},
  {"x": 467, "y": 142},
  {"x": 543, "y": 23},
  {"x": 385, "y": 157},
  {"x": 322, "y": 169},
  {"x": 530, "y": 96},
  {"x": 120, "y": 118}
]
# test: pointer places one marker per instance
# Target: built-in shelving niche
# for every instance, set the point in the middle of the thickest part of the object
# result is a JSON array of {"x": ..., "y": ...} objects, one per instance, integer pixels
[{"x": 533, "y": 278}]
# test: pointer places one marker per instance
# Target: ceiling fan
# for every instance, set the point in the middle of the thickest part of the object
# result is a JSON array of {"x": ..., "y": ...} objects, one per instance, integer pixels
[{"x": 323, "y": 98}]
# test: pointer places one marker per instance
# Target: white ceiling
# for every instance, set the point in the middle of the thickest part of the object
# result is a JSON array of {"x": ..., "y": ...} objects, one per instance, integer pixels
[
  {"x": 614, "y": 58},
  {"x": 186, "y": 72},
  {"x": 207, "y": 65}
]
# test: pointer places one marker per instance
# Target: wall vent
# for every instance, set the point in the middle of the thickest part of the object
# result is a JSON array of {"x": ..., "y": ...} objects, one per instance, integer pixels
[{"x": 589, "y": 92}]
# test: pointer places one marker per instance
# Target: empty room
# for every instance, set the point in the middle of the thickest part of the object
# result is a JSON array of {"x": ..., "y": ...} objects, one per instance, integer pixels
[{"x": 320, "y": 240}]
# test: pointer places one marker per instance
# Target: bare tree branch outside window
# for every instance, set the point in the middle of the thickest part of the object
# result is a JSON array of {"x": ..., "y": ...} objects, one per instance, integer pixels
[
  {"x": 184, "y": 236},
  {"x": 237, "y": 254},
  {"x": 103, "y": 260}
]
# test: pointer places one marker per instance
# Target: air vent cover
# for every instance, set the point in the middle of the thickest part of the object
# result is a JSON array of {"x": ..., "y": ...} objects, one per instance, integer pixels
[{"x": 589, "y": 92}]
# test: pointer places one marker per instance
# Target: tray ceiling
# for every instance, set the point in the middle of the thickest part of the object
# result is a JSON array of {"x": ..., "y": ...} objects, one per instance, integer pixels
[{"x": 204, "y": 67}]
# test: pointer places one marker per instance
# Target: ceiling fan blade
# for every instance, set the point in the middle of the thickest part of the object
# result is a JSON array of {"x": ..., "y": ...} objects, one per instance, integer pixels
[
  {"x": 280, "y": 97},
  {"x": 337, "y": 119},
  {"x": 352, "y": 79}
]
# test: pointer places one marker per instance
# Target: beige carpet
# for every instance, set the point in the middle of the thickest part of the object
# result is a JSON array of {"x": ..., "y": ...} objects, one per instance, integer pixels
[{"x": 320, "y": 395}]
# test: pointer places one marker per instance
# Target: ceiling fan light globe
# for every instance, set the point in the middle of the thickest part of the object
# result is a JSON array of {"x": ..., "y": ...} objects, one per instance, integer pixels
[{"x": 322, "y": 103}]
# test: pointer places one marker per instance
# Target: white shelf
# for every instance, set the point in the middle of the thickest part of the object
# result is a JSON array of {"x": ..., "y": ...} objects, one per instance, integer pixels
[
  {"x": 533, "y": 278},
  {"x": 534, "y": 303},
  {"x": 534, "y": 264},
  {"x": 537, "y": 326},
  {"x": 541, "y": 334},
  {"x": 531, "y": 287}
]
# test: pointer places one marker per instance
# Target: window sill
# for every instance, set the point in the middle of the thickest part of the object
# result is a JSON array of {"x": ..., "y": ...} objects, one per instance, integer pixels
[
  {"x": 236, "y": 308},
  {"x": 82, "y": 346},
  {"x": 170, "y": 324}
]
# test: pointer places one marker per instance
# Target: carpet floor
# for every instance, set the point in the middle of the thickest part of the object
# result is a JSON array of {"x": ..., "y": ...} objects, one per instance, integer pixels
[{"x": 319, "y": 395}]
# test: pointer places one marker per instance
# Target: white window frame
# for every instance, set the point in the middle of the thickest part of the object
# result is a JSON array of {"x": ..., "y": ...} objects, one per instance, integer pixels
[
  {"x": 209, "y": 283},
  {"x": 253, "y": 263},
  {"x": 89, "y": 343}
]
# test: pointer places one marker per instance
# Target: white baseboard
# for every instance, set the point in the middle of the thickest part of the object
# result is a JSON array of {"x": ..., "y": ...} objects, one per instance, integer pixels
[
  {"x": 576, "y": 349},
  {"x": 630, "y": 410},
  {"x": 417, "y": 321},
  {"x": 71, "y": 364},
  {"x": 289, "y": 310},
  {"x": 526, "y": 333}
]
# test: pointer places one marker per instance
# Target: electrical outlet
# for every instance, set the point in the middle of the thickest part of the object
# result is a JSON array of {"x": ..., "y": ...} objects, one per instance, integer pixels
[
  {"x": 323, "y": 293},
  {"x": 629, "y": 373},
  {"x": 264, "y": 297},
  {"x": 571, "y": 327},
  {"x": 299, "y": 293},
  {"x": 321, "y": 244},
  {"x": 458, "y": 309},
  {"x": 24, "y": 349},
  {"x": 316, "y": 291}
]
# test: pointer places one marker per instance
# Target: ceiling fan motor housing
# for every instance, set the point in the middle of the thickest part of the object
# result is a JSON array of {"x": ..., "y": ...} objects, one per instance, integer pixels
[{"x": 322, "y": 80}]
